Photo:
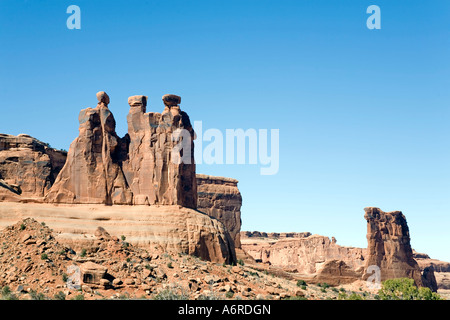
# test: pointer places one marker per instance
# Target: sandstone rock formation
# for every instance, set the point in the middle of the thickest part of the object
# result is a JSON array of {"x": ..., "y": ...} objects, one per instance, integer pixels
[
  {"x": 336, "y": 272},
  {"x": 157, "y": 171},
  {"x": 425, "y": 261},
  {"x": 303, "y": 254},
  {"x": 220, "y": 198},
  {"x": 152, "y": 165},
  {"x": 389, "y": 245},
  {"x": 276, "y": 235},
  {"x": 173, "y": 229},
  {"x": 28, "y": 167},
  {"x": 93, "y": 170}
]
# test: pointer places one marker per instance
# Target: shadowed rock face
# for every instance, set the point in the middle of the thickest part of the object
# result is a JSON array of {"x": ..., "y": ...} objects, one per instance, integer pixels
[
  {"x": 220, "y": 198},
  {"x": 153, "y": 167},
  {"x": 93, "y": 170},
  {"x": 389, "y": 245},
  {"x": 143, "y": 168},
  {"x": 28, "y": 167}
]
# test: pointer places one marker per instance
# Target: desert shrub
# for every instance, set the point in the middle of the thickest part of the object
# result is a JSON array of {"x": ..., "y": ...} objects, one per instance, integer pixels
[
  {"x": 6, "y": 294},
  {"x": 353, "y": 296},
  {"x": 149, "y": 267},
  {"x": 241, "y": 262},
  {"x": 44, "y": 256},
  {"x": 123, "y": 237},
  {"x": 404, "y": 289},
  {"x": 301, "y": 283},
  {"x": 229, "y": 294},
  {"x": 334, "y": 290},
  {"x": 124, "y": 296},
  {"x": 174, "y": 292},
  {"x": 78, "y": 297},
  {"x": 296, "y": 298},
  {"x": 303, "y": 287},
  {"x": 65, "y": 277},
  {"x": 323, "y": 290},
  {"x": 83, "y": 253},
  {"x": 37, "y": 296},
  {"x": 325, "y": 285},
  {"x": 60, "y": 296},
  {"x": 22, "y": 227},
  {"x": 209, "y": 296}
]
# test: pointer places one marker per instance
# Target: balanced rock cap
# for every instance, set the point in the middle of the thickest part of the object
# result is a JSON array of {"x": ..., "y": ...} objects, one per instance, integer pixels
[
  {"x": 171, "y": 100},
  {"x": 102, "y": 96},
  {"x": 138, "y": 100}
]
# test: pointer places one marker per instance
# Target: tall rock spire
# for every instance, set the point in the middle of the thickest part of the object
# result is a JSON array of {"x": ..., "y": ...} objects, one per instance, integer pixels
[{"x": 93, "y": 169}]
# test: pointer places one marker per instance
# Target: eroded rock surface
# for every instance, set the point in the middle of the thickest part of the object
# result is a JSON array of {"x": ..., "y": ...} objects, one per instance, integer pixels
[
  {"x": 93, "y": 170},
  {"x": 305, "y": 254},
  {"x": 158, "y": 172},
  {"x": 220, "y": 198},
  {"x": 28, "y": 167},
  {"x": 389, "y": 245}
]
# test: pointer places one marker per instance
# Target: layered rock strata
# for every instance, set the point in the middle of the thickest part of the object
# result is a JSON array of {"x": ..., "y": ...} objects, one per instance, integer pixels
[
  {"x": 220, "y": 198},
  {"x": 28, "y": 167},
  {"x": 171, "y": 229},
  {"x": 304, "y": 255}
]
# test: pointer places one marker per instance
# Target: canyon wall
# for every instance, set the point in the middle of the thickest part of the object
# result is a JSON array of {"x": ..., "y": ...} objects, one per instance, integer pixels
[{"x": 220, "y": 198}]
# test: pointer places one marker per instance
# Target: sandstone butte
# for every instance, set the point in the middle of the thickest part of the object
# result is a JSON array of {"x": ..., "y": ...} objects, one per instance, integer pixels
[
  {"x": 130, "y": 186},
  {"x": 320, "y": 259},
  {"x": 104, "y": 172}
]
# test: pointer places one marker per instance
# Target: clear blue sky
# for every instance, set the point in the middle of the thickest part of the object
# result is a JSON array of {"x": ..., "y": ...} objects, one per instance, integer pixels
[{"x": 363, "y": 114}]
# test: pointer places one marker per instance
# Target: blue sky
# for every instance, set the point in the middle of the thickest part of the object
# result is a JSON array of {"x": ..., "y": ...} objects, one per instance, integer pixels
[{"x": 363, "y": 114}]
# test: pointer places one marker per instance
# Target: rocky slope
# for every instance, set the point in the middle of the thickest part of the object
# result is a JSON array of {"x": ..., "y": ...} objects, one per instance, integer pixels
[
  {"x": 171, "y": 228},
  {"x": 34, "y": 265}
]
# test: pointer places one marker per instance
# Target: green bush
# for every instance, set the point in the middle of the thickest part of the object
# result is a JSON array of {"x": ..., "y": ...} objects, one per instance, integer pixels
[
  {"x": 37, "y": 296},
  {"x": 404, "y": 289},
  {"x": 301, "y": 283},
  {"x": 303, "y": 287},
  {"x": 123, "y": 237},
  {"x": 229, "y": 294},
  {"x": 353, "y": 296},
  {"x": 83, "y": 253},
  {"x": 78, "y": 297},
  {"x": 169, "y": 265},
  {"x": 22, "y": 227},
  {"x": 7, "y": 294},
  {"x": 44, "y": 256},
  {"x": 60, "y": 296},
  {"x": 241, "y": 262},
  {"x": 170, "y": 294}
]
